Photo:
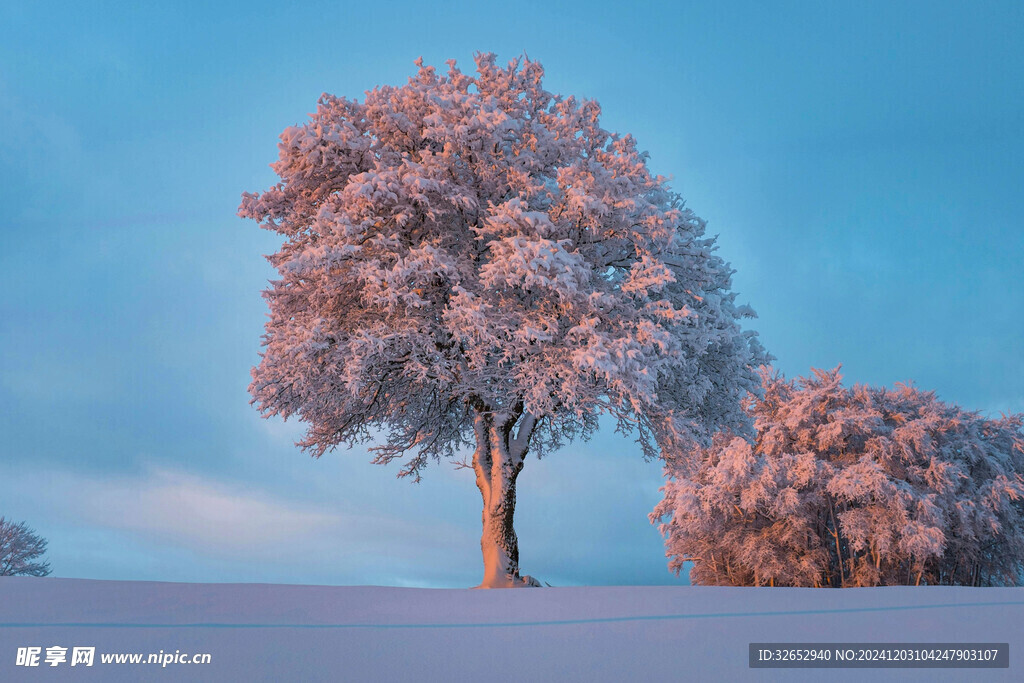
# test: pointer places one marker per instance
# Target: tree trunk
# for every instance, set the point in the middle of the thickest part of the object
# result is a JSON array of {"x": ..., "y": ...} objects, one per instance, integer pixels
[
  {"x": 839, "y": 547},
  {"x": 497, "y": 461}
]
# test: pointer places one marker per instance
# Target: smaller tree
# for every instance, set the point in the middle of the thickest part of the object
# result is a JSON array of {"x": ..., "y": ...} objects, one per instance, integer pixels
[
  {"x": 850, "y": 487},
  {"x": 21, "y": 551}
]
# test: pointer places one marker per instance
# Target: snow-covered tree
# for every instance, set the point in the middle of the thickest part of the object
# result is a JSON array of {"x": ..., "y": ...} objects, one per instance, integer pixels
[
  {"x": 21, "y": 550},
  {"x": 471, "y": 261},
  {"x": 852, "y": 486}
]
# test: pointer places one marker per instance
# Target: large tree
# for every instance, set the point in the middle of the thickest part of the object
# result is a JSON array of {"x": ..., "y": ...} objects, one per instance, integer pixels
[{"x": 473, "y": 261}]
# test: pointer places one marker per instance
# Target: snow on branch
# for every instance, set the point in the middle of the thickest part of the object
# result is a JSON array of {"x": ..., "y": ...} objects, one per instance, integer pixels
[
  {"x": 856, "y": 486},
  {"x": 470, "y": 244}
]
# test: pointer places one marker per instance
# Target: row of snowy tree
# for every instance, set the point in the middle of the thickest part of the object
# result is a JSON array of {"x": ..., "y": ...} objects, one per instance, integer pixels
[
  {"x": 850, "y": 487},
  {"x": 470, "y": 261}
]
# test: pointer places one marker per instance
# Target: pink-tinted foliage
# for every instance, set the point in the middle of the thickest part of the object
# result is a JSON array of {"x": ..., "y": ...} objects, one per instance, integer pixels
[
  {"x": 850, "y": 487},
  {"x": 466, "y": 243}
]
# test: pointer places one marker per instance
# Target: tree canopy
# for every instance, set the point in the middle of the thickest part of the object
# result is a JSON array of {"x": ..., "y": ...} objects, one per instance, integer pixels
[
  {"x": 21, "y": 550},
  {"x": 856, "y": 486},
  {"x": 460, "y": 242}
]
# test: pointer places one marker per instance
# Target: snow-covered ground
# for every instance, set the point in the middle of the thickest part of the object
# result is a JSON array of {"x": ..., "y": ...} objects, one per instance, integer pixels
[{"x": 312, "y": 633}]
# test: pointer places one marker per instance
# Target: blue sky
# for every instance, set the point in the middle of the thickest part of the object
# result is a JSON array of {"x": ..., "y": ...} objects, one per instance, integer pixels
[{"x": 863, "y": 166}]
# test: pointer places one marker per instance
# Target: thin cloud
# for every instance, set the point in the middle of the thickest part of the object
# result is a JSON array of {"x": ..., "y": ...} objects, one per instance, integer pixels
[
  {"x": 199, "y": 513},
  {"x": 162, "y": 508}
]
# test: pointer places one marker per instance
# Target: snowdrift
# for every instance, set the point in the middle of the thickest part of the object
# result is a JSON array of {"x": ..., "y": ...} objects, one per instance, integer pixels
[{"x": 324, "y": 633}]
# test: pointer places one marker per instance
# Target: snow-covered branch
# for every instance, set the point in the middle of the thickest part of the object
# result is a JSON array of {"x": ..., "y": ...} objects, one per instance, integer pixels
[{"x": 851, "y": 487}]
